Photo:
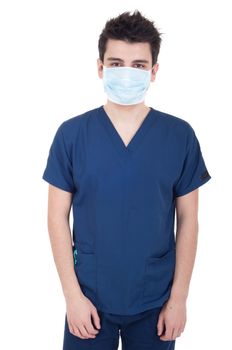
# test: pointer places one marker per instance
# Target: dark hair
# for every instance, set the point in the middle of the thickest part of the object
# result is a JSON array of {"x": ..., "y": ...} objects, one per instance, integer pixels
[{"x": 131, "y": 28}]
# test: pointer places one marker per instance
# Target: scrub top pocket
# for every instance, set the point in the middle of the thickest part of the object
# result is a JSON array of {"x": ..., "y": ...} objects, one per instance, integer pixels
[
  {"x": 159, "y": 273},
  {"x": 85, "y": 269}
]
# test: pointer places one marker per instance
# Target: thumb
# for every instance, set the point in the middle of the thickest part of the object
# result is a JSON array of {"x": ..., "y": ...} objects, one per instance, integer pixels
[
  {"x": 160, "y": 325},
  {"x": 96, "y": 318}
]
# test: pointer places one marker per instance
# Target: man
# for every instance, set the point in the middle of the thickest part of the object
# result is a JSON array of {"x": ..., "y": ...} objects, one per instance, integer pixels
[{"x": 126, "y": 169}]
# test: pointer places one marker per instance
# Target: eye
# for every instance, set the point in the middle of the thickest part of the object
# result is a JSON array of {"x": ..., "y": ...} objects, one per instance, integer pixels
[
  {"x": 115, "y": 64},
  {"x": 140, "y": 65}
]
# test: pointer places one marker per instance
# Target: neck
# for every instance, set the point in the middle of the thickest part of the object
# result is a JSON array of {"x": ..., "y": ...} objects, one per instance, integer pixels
[{"x": 129, "y": 112}]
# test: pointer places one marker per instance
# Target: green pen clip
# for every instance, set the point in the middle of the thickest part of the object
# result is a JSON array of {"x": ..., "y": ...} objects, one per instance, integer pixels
[{"x": 75, "y": 256}]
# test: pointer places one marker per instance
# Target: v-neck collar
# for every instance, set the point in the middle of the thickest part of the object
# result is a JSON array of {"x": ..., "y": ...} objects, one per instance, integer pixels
[{"x": 116, "y": 138}]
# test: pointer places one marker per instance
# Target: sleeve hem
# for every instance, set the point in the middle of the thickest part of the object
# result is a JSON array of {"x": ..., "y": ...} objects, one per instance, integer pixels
[
  {"x": 57, "y": 184},
  {"x": 193, "y": 187}
]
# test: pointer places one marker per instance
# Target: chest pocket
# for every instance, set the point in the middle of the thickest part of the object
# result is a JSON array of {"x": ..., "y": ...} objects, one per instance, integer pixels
[{"x": 159, "y": 273}]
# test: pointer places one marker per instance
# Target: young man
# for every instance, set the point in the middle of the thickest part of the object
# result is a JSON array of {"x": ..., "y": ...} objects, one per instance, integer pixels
[{"x": 125, "y": 168}]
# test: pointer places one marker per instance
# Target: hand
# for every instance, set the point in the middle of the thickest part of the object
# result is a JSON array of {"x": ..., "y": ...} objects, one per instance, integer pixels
[
  {"x": 172, "y": 319},
  {"x": 79, "y": 312}
]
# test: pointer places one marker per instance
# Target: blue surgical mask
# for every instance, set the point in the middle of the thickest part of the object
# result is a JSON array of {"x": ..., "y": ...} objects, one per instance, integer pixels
[{"x": 126, "y": 85}]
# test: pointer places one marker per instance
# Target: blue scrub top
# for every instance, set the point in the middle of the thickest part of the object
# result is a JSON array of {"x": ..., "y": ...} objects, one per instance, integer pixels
[{"x": 124, "y": 203}]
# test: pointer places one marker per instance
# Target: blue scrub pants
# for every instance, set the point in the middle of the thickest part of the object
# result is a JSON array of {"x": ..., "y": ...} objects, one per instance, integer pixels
[{"x": 138, "y": 332}]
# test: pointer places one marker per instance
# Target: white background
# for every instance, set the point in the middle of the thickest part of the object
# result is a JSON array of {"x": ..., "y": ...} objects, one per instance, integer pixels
[{"x": 49, "y": 74}]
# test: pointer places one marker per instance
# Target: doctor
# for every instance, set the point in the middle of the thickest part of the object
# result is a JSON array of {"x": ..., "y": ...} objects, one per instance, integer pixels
[{"x": 126, "y": 169}]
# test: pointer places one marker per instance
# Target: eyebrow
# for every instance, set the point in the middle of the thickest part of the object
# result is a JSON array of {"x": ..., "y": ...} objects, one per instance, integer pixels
[{"x": 134, "y": 61}]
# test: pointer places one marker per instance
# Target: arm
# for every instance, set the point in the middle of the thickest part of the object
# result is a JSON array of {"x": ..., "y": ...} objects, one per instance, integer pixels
[
  {"x": 79, "y": 308},
  {"x": 59, "y": 206},
  {"x": 186, "y": 243},
  {"x": 174, "y": 311}
]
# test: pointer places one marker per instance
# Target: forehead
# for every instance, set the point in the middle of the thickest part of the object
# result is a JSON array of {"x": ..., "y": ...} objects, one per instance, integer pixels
[{"x": 123, "y": 49}]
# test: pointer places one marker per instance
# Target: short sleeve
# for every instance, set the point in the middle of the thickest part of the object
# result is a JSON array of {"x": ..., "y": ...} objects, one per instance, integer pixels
[
  {"x": 194, "y": 172},
  {"x": 58, "y": 170}
]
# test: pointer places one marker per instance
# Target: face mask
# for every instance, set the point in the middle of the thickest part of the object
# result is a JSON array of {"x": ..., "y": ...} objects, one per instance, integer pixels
[{"x": 126, "y": 85}]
